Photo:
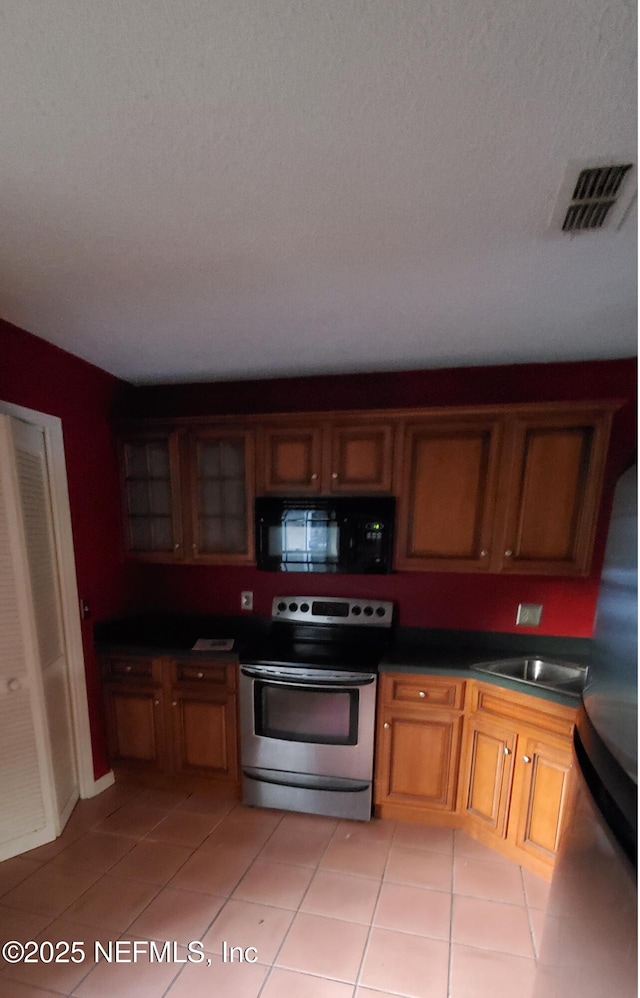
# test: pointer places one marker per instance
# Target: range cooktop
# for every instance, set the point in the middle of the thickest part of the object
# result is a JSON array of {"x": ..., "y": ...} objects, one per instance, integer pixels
[{"x": 325, "y": 632}]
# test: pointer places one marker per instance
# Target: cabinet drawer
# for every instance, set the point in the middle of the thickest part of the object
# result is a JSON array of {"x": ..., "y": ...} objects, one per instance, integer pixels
[
  {"x": 426, "y": 691},
  {"x": 215, "y": 674},
  {"x": 134, "y": 668}
]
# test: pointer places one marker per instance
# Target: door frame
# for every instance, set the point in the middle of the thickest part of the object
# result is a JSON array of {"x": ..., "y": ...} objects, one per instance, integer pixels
[{"x": 88, "y": 786}]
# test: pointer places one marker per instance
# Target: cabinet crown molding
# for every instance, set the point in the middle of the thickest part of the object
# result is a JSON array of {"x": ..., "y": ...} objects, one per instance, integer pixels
[{"x": 609, "y": 405}]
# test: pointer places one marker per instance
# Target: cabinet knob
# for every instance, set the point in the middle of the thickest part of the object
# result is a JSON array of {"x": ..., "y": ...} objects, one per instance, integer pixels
[
  {"x": 484, "y": 553},
  {"x": 127, "y": 668},
  {"x": 313, "y": 477},
  {"x": 334, "y": 474},
  {"x": 507, "y": 751},
  {"x": 176, "y": 546},
  {"x": 508, "y": 553},
  {"x": 13, "y": 685},
  {"x": 200, "y": 675},
  {"x": 155, "y": 703},
  {"x": 194, "y": 546},
  {"x": 422, "y": 694},
  {"x": 386, "y": 725},
  {"x": 526, "y": 758},
  {"x": 174, "y": 703}
]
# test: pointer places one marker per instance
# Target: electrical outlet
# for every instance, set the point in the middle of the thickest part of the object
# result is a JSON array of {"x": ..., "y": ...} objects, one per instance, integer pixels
[
  {"x": 529, "y": 614},
  {"x": 246, "y": 600}
]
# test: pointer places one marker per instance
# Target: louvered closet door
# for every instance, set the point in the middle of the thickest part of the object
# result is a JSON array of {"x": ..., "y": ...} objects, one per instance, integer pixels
[
  {"x": 26, "y": 809},
  {"x": 35, "y": 507},
  {"x": 38, "y": 783}
]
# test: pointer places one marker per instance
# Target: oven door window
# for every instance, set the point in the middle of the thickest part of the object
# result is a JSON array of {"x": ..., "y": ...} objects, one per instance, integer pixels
[
  {"x": 304, "y": 540},
  {"x": 299, "y": 714}
]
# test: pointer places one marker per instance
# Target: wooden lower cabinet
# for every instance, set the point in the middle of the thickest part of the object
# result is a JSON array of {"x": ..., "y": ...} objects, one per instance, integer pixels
[
  {"x": 488, "y": 769},
  {"x": 544, "y": 788},
  {"x": 419, "y": 741},
  {"x": 135, "y": 727},
  {"x": 204, "y": 735},
  {"x": 517, "y": 777},
  {"x": 420, "y": 763},
  {"x": 171, "y": 719},
  {"x": 495, "y": 763}
]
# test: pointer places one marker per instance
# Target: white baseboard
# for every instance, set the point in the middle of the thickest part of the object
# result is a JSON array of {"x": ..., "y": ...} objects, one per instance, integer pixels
[{"x": 98, "y": 786}]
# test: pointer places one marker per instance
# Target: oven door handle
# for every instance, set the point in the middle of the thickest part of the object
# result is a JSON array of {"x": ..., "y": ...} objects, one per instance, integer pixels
[{"x": 364, "y": 680}]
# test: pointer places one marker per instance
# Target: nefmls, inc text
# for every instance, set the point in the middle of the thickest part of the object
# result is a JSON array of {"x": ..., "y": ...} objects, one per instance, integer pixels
[{"x": 134, "y": 950}]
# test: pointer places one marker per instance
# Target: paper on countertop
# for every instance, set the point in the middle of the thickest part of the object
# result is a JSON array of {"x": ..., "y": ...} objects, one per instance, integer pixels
[{"x": 213, "y": 644}]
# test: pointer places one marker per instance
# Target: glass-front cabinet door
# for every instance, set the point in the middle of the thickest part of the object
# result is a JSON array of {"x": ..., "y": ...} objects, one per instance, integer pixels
[
  {"x": 151, "y": 496},
  {"x": 221, "y": 491}
]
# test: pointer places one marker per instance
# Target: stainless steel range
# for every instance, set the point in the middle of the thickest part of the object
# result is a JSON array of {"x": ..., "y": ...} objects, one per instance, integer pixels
[{"x": 307, "y": 706}]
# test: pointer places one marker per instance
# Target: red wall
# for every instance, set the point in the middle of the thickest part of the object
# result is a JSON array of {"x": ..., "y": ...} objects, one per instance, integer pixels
[
  {"x": 37, "y": 375},
  {"x": 443, "y": 386},
  {"x": 466, "y": 602},
  {"x": 471, "y": 602}
]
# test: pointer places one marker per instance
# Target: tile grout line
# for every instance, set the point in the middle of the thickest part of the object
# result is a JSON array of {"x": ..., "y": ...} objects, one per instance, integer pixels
[
  {"x": 297, "y": 911},
  {"x": 151, "y": 900},
  {"x": 61, "y": 914},
  {"x": 119, "y": 934},
  {"x": 529, "y": 920},
  {"x": 365, "y": 951},
  {"x": 41, "y": 867},
  {"x": 450, "y": 962},
  {"x": 228, "y": 897},
  {"x": 161, "y": 887},
  {"x": 316, "y": 868}
]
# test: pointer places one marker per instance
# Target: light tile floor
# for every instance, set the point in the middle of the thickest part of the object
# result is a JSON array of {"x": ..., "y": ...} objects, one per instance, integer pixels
[{"x": 321, "y": 908}]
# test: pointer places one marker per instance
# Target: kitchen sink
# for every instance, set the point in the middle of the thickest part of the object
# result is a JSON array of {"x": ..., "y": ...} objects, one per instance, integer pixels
[{"x": 562, "y": 677}]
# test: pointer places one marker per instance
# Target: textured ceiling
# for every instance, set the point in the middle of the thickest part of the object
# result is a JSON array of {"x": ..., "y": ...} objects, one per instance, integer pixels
[{"x": 202, "y": 189}]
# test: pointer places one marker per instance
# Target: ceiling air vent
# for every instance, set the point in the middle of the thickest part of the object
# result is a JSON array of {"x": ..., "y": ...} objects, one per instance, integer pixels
[
  {"x": 594, "y": 196},
  {"x": 598, "y": 197}
]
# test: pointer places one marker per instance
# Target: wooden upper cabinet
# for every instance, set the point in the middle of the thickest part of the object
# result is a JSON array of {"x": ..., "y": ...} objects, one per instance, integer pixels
[
  {"x": 188, "y": 495},
  {"x": 290, "y": 460},
  {"x": 553, "y": 473},
  {"x": 516, "y": 491},
  {"x": 495, "y": 489},
  {"x": 325, "y": 458},
  {"x": 447, "y": 494},
  {"x": 360, "y": 458},
  {"x": 150, "y": 487},
  {"x": 220, "y": 494}
]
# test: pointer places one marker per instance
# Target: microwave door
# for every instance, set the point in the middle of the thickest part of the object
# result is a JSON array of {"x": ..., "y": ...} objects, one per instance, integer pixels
[{"x": 305, "y": 540}]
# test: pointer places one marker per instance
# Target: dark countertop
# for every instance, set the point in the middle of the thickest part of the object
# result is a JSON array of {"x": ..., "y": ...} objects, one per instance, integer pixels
[
  {"x": 420, "y": 651},
  {"x": 462, "y": 666},
  {"x": 176, "y": 634},
  {"x": 456, "y": 653}
]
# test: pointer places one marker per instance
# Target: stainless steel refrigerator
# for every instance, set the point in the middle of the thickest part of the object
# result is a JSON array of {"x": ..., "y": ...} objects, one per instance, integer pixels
[{"x": 589, "y": 945}]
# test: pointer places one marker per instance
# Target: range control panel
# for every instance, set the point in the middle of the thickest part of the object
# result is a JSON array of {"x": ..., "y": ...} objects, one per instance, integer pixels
[{"x": 333, "y": 610}]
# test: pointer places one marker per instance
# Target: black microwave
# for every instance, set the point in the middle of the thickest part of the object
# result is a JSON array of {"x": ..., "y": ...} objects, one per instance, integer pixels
[{"x": 347, "y": 534}]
